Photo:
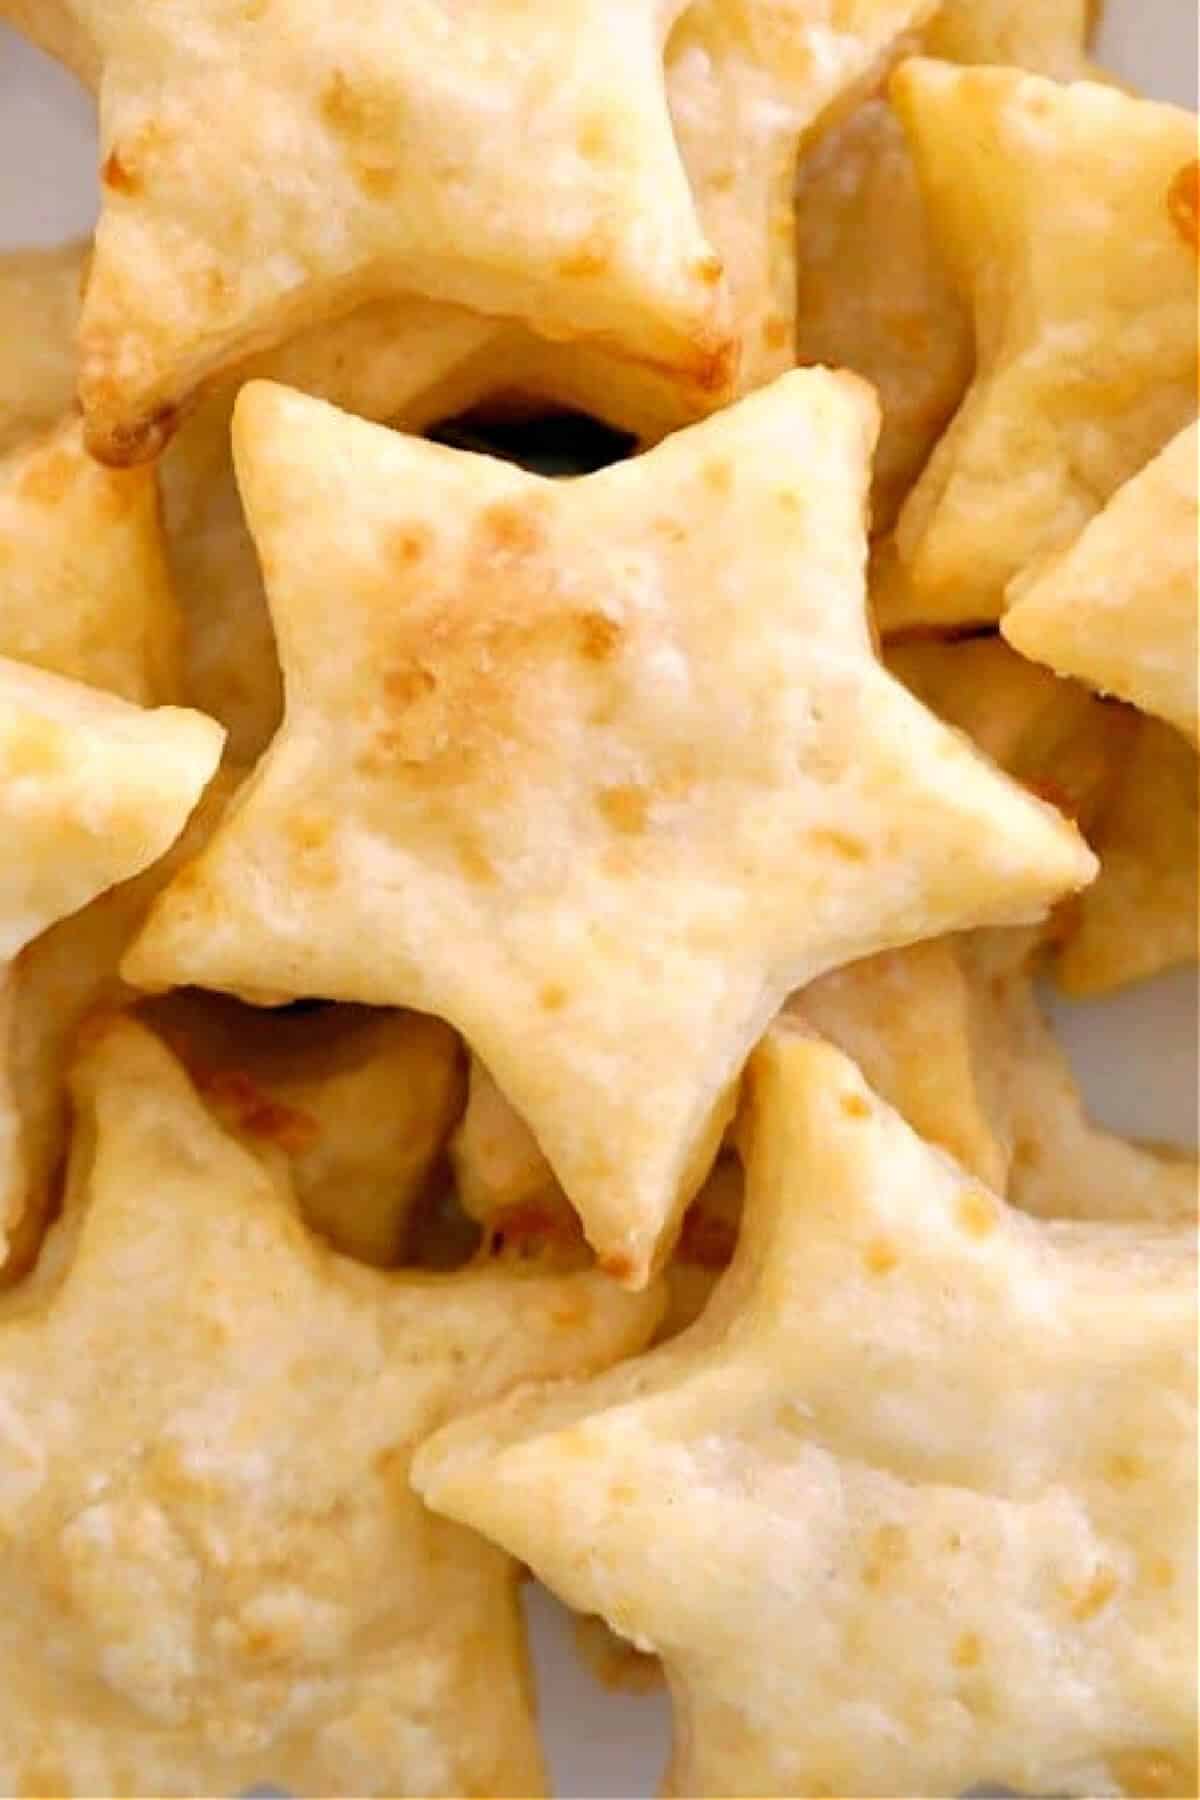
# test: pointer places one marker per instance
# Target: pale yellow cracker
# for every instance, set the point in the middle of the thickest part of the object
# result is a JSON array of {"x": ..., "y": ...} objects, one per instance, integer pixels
[
  {"x": 1053, "y": 736},
  {"x": 1081, "y": 275},
  {"x": 1141, "y": 916},
  {"x": 873, "y": 294},
  {"x": 92, "y": 790},
  {"x": 905, "y": 1019},
  {"x": 598, "y": 771},
  {"x": 39, "y": 307},
  {"x": 935, "y": 1461},
  {"x": 1050, "y": 36},
  {"x": 1120, "y": 608},
  {"x": 359, "y": 1104},
  {"x": 46, "y": 994},
  {"x": 1059, "y": 1163},
  {"x": 214, "y": 1571},
  {"x": 379, "y": 133},
  {"x": 84, "y": 585}
]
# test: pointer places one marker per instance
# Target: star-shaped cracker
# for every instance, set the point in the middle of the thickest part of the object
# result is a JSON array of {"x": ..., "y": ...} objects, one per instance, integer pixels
[
  {"x": 380, "y": 133},
  {"x": 359, "y": 1104},
  {"x": 597, "y": 771},
  {"x": 747, "y": 85},
  {"x": 874, "y": 294},
  {"x": 1143, "y": 916},
  {"x": 92, "y": 790},
  {"x": 1118, "y": 609},
  {"x": 1081, "y": 271},
  {"x": 39, "y": 307},
  {"x": 214, "y": 1571},
  {"x": 84, "y": 586},
  {"x": 57, "y": 981},
  {"x": 911, "y": 1507}
]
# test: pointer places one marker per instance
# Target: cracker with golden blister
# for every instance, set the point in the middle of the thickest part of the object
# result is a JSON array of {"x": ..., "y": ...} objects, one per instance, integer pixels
[
  {"x": 1080, "y": 269},
  {"x": 379, "y": 131},
  {"x": 359, "y": 1104},
  {"x": 936, "y": 1460},
  {"x": 748, "y": 84},
  {"x": 1118, "y": 608},
  {"x": 598, "y": 771},
  {"x": 214, "y": 1570}
]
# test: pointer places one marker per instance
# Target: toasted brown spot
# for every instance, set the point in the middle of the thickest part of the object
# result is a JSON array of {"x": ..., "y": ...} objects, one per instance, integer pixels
[
  {"x": 1123, "y": 1466},
  {"x": 137, "y": 440},
  {"x": 591, "y": 257},
  {"x": 616, "y": 1265},
  {"x": 708, "y": 268},
  {"x": 1156, "y": 1774},
  {"x": 854, "y": 1106},
  {"x": 598, "y": 636},
  {"x": 408, "y": 683},
  {"x": 718, "y": 474},
  {"x": 968, "y": 1651},
  {"x": 840, "y": 843},
  {"x": 888, "y": 1549},
  {"x": 255, "y": 1113},
  {"x": 1095, "y": 1597},
  {"x": 1183, "y": 202},
  {"x": 47, "y": 479},
  {"x": 511, "y": 528},
  {"x": 115, "y": 174},
  {"x": 880, "y": 1257},
  {"x": 977, "y": 1212},
  {"x": 553, "y": 996},
  {"x": 624, "y": 807},
  {"x": 407, "y": 544},
  {"x": 309, "y": 831},
  {"x": 364, "y": 122}
]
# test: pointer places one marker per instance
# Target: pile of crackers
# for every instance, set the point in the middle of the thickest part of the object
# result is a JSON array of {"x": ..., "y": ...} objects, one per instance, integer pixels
[{"x": 519, "y": 1045}]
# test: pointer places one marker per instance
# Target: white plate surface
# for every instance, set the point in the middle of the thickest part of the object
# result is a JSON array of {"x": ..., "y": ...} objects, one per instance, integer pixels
[{"x": 1136, "y": 1054}]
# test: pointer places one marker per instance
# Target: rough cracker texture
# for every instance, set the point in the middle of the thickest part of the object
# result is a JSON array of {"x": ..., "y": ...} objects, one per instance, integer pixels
[
  {"x": 1084, "y": 294},
  {"x": 214, "y": 1571},
  {"x": 1117, "y": 609},
  {"x": 39, "y": 307},
  {"x": 92, "y": 790},
  {"x": 625, "y": 738},
  {"x": 936, "y": 1461},
  {"x": 60, "y": 978},
  {"x": 84, "y": 586},
  {"x": 263, "y": 169}
]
